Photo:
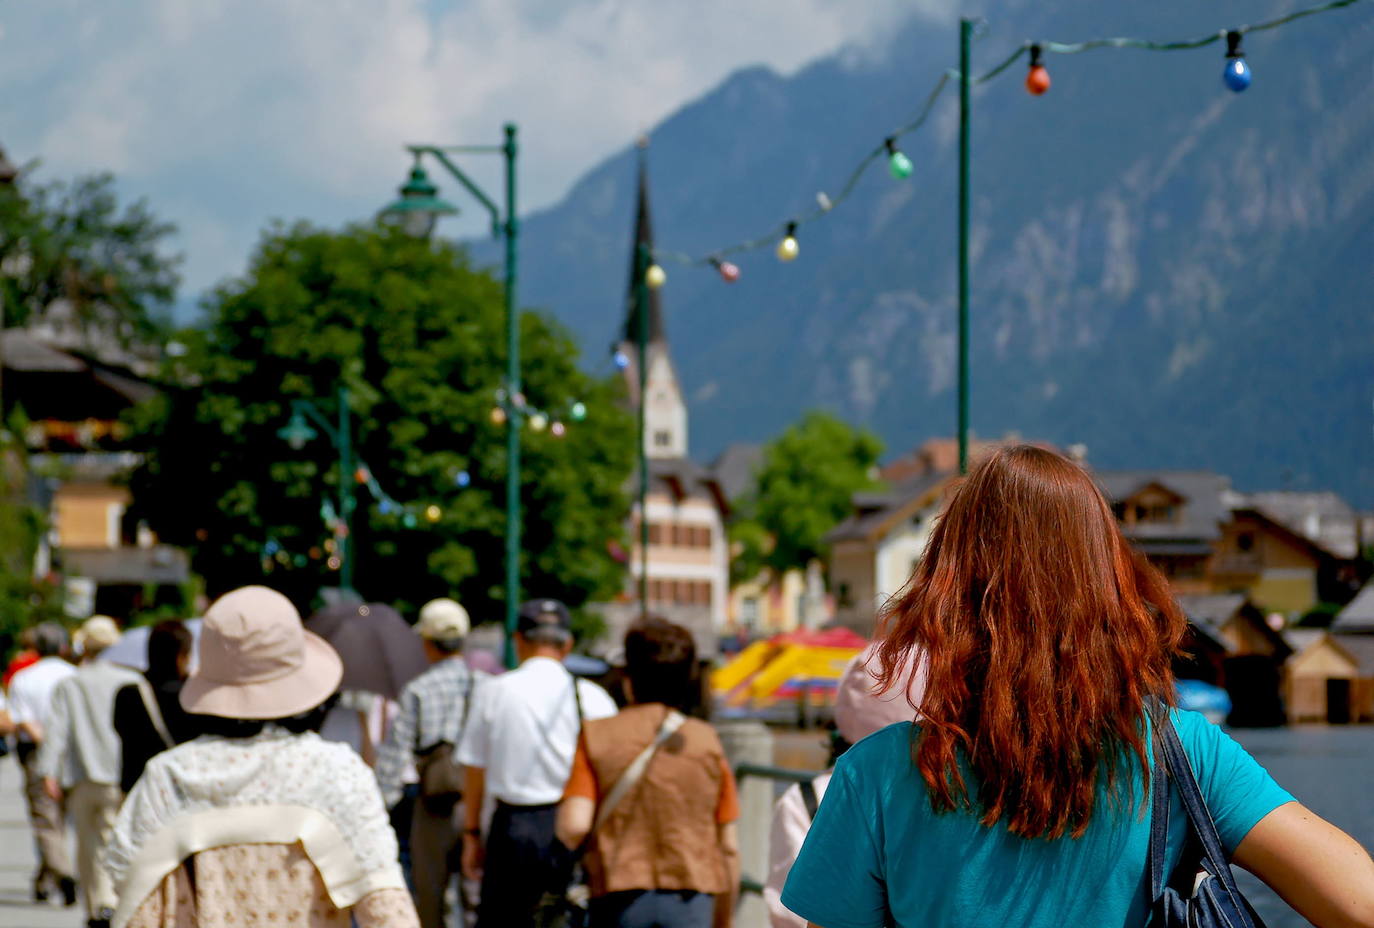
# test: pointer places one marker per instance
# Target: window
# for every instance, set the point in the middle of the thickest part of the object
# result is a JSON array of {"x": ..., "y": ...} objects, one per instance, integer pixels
[
  {"x": 749, "y": 611},
  {"x": 704, "y": 592},
  {"x": 655, "y": 533},
  {"x": 663, "y": 438},
  {"x": 1245, "y": 541},
  {"x": 656, "y": 591},
  {"x": 845, "y": 600},
  {"x": 675, "y": 535},
  {"x": 704, "y": 536}
]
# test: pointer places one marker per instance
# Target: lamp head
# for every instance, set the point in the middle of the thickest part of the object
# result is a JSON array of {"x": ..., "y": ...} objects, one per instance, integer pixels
[
  {"x": 297, "y": 433},
  {"x": 419, "y": 206}
]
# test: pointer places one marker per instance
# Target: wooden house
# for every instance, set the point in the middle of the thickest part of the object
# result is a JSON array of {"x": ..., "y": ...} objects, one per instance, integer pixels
[{"x": 1331, "y": 680}]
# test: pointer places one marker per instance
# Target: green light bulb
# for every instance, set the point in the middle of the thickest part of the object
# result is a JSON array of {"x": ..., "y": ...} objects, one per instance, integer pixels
[{"x": 900, "y": 165}]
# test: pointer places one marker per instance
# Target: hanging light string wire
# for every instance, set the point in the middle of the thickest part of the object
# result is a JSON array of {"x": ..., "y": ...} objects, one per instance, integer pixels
[{"x": 829, "y": 204}]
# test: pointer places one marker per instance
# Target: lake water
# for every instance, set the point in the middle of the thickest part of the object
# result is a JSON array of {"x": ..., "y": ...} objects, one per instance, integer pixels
[{"x": 1328, "y": 769}]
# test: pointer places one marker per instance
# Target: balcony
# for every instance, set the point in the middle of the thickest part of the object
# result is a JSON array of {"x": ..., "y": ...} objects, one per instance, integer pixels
[{"x": 1237, "y": 563}]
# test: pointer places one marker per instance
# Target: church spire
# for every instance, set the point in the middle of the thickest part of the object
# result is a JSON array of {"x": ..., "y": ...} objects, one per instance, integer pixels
[{"x": 643, "y": 235}]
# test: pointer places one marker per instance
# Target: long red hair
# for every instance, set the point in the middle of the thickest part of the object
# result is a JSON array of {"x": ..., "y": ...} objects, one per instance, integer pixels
[{"x": 1044, "y": 634}]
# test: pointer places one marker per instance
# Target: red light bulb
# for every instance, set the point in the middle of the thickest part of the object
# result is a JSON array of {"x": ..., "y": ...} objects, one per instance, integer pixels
[{"x": 1037, "y": 78}]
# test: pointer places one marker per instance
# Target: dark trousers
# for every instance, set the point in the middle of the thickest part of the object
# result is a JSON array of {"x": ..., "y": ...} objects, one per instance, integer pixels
[
  {"x": 524, "y": 861},
  {"x": 653, "y": 909}
]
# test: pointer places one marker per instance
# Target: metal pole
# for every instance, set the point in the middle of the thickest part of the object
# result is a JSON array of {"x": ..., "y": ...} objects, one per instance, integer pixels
[
  {"x": 642, "y": 337},
  {"x": 965, "y": 38},
  {"x": 347, "y": 498},
  {"x": 513, "y": 419}
]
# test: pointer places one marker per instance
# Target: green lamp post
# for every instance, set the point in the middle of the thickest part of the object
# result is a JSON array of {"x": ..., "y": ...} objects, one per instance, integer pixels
[
  {"x": 297, "y": 433},
  {"x": 418, "y": 209}
]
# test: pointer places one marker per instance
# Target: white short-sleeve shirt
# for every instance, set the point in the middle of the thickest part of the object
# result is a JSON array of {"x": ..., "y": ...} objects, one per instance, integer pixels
[
  {"x": 523, "y": 730},
  {"x": 31, "y": 690}
]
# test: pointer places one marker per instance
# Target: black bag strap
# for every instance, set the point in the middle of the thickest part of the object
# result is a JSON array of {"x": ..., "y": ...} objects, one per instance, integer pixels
[
  {"x": 1214, "y": 859},
  {"x": 808, "y": 794},
  {"x": 1159, "y": 808}
]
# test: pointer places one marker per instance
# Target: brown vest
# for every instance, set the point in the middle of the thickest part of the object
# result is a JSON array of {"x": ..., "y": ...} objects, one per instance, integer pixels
[{"x": 663, "y": 834}]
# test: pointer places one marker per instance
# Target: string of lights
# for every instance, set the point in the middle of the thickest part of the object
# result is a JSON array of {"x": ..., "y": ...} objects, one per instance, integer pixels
[{"x": 1236, "y": 76}]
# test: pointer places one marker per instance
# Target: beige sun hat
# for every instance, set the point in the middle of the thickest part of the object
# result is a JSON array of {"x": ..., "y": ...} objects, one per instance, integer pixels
[
  {"x": 96, "y": 634},
  {"x": 256, "y": 660}
]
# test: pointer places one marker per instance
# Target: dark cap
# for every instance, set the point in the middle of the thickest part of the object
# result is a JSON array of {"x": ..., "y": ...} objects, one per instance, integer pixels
[{"x": 543, "y": 613}]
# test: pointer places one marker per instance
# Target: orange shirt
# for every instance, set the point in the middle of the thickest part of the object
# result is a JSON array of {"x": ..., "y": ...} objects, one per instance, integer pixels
[{"x": 582, "y": 782}]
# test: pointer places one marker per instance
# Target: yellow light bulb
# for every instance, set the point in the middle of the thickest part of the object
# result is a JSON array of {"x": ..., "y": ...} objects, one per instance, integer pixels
[
  {"x": 788, "y": 249},
  {"x": 655, "y": 277},
  {"x": 433, "y": 512}
]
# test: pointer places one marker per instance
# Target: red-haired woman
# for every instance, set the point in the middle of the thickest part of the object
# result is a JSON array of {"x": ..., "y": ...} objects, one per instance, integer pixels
[{"x": 1021, "y": 798}]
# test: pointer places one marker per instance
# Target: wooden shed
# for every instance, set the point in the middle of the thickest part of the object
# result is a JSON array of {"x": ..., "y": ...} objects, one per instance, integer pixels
[{"x": 1331, "y": 680}]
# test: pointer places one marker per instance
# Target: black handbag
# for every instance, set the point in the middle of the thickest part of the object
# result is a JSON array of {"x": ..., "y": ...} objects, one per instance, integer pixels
[{"x": 1201, "y": 892}]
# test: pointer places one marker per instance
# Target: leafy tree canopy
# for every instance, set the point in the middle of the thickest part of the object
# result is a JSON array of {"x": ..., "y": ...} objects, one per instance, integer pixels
[
  {"x": 802, "y": 490},
  {"x": 418, "y": 337},
  {"x": 73, "y": 242}
]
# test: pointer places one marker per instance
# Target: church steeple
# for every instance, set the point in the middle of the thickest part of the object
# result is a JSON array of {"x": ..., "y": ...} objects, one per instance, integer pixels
[
  {"x": 643, "y": 235},
  {"x": 665, "y": 413}
]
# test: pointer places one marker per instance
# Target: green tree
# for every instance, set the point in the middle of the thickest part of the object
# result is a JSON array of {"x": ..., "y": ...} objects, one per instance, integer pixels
[
  {"x": 24, "y": 599},
  {"x": 418, "y": 337},
  {"x": 802, "y": 490},
  {"x": 72, "y": 241}
]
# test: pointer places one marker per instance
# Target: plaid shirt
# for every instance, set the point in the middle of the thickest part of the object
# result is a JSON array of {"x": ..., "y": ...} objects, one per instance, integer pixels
[{"x": 433, "y": 709}]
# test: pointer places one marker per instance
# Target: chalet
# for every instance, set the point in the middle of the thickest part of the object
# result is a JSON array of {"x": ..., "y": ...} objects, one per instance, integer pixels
[
  {"x": 874, "y": 550},
  {"x": 79, "y": 444},
  {"x": 1206, "y": 538}
]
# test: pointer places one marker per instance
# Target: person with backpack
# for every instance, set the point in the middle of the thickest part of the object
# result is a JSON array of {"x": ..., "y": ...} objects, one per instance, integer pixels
[
  {"x": 421, "y": 782},
  {"x": 1048, "y": 780}
]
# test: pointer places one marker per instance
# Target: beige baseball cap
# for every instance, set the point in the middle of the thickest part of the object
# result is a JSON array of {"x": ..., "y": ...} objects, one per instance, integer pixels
[
  {"x": 443, "y": 620},
  {"x": 860, "y": 709},
  {"x": 257, "y": 661}
]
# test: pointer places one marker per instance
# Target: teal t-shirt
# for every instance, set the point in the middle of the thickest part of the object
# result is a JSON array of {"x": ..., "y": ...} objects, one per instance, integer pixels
[{"x": 878, "y": 855}]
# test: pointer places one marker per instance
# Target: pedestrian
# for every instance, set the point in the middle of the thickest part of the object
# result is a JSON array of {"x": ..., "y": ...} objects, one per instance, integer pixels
[
  {"x": 434, "y": 709},
  {"x": 79, "y": 758},
  {"x": 31, "y": 692},
  {"x": 148, "y": 716},
  {"x": 518, "y": 748},
  {"x": 1023, "y": 795},
  {"x": 859, "y": 712},
  {"x": 26, "y": 656},
  {"x": 652, "y": 798},
  {"x": 258, "y": 821}
]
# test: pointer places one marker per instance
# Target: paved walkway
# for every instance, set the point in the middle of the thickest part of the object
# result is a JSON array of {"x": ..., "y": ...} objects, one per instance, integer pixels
[{"x": 17, "y": 863}]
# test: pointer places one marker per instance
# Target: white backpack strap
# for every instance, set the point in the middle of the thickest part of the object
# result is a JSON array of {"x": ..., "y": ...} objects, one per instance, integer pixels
[
  {"x": 635, "y": 772},
  {"x": 154, "y": 712}
]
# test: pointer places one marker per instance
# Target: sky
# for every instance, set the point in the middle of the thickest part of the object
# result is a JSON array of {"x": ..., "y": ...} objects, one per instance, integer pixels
[{"x": 227, "y": 114}]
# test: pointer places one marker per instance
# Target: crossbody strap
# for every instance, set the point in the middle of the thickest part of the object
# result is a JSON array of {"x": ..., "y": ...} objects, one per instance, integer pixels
[
  {"x": 809, "y": 798},
  {"x": 635, "y": 772},
  {"x": 1159, "y": 806},
  {"x": 145, "y": 692},
  {"x": 1181, "y": 771}
]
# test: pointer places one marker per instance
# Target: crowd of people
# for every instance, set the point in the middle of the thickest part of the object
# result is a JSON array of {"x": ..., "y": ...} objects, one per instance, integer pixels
[
  {"x": 253, "y": 779},
  {"x": 1006, "y": 754}
]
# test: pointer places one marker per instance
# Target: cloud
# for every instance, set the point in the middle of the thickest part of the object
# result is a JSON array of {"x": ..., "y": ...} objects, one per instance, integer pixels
[{"x": 227, "y": 113}]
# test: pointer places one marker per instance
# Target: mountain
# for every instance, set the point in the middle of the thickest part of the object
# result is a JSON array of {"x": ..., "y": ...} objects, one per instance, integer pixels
[{"x": 1172, "y": 274}]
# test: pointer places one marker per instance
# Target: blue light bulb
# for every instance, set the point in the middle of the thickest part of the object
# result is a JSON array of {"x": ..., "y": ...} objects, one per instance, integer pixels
[
  {"x": 463, "y": 478},
  {"x": 1237, "y": 74},
  {"x": 622, "y": 360}
]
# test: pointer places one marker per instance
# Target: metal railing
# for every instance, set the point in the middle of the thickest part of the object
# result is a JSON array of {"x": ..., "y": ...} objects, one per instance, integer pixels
[{"x": 767, "y": 772}]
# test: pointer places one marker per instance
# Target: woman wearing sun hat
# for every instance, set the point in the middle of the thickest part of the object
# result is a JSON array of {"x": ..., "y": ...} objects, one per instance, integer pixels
[{"x": 260, "y": 821}]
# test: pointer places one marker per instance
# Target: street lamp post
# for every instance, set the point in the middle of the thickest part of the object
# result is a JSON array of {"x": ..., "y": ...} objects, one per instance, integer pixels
[
  {"x": 966, "y": 27},
  {"x": 418, "y": 209},
  {"x": 298, "y": 433}
]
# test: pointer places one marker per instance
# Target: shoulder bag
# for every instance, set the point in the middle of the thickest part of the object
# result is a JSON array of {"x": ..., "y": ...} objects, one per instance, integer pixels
[
  {"x": 441, "y": 777},
  {"x": 1201, "y": 892}
]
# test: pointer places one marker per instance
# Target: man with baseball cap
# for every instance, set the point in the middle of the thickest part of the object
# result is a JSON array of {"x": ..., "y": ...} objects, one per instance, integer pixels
[
  {"x": 519, "y": 747},
  {"x": 434, "y": 709},
  {"x": 80, "y": 758}
]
